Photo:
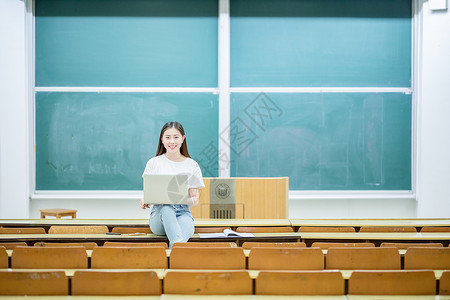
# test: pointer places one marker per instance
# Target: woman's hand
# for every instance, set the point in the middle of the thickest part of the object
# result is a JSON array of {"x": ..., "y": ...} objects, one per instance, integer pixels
[
  {"x": 193, "y": 197},
  {"x": 142, "y": 205},
  {"x": 192, "y": 201}
]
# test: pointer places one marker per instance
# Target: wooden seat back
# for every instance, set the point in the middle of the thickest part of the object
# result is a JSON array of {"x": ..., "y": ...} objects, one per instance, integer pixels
[
  {"x": 387, "y": 229},
  {"x": 210, "y": 229},
  {"x": 326, "y": 245},
  {"x": 26, "y": 230},
  {"x": 435, "y": 229},
  {"x": 427, "y": 258},
  {"x": 398, "y": 282},
  {"x": 137, "y": 244},
  {"x": 78, "y": 229},
  {"x": 3, "y": 257},
  {"x": 265, "y": 258},
  {"x": 326, "y": 229},
  {"x": 264, "y": 229},
  {"x": 34, "y": 283},
  {"x": 128, "y": 230},
  {"x": 129, "y": 258},
  {"x": 207, "y": 258},
  {"x": 208, "y": 283},
  {"x": 116, "y": 283},
  {"x": 444, "y": 283},
  {"x": 49, "y": 258},
  {"x": 87, "y": 245},
  {"x": 364, "y": 258},
  {"x": 12, "y": 245},
  {"x": 205, "y": 244},
  {"x": 404, "y": 246},
  {"x": 250, "y": 245},
  {"x": 300, "y": 283}
]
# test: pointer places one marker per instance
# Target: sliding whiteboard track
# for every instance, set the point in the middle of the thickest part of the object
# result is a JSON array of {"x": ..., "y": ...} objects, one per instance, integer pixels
[{"x": 93, "y": 89}]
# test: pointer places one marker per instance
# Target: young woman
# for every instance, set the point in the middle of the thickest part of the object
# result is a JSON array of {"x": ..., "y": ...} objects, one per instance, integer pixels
[{"x": 172, "y": 158}]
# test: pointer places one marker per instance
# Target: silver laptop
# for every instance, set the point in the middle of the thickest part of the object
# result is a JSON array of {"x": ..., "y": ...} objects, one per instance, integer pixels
[{"x": 165, "y": 189}]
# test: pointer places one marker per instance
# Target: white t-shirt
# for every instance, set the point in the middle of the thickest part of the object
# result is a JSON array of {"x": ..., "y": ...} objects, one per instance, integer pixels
[{"x": 161, "y": 165}]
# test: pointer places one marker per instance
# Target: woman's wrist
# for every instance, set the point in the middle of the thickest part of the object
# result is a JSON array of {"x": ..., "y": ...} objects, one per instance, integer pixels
[{"x": 192, "y": 201}]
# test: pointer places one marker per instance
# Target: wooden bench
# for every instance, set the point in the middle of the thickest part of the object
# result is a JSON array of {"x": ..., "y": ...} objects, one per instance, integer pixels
[
  {"x": 131, "y": 244},
  {"x": 404, "y": 246},
  {"x": 208, "y": 283},
  {"x": 399, "y": 282},
  {"x": 444, "y": 283},
  {"x": 264, "y": 258},
  {"x": 61, "y": 229},
  {"x": 129, "y": 258},
  {"x": 250, "y": 245},
  {"x": 3, "y": 257},
  {"x": 300, "y": 283},
  {"x": 427, "y": 258},
  {"x": 25, "y": 230},
  {"x": 210, "y": 229},
  {"x": 87, "y": 245},
  {"x": 224, "y": 258},
  {"x": 205, "y": 244},
  {"x": 128, "y": 230},
  {"x": 435, "y": 229},
  {"x": 326, "y": 245},
  {"x": 116, "y": 283},
  {"x": 265, "y": 229},
  {"x": 387, "y": 229},
  {"x": 373, "y": 258},
  {"x": 12, "y": 245},
  {"x": 326, "y": 229},
  {"x": 49, "y": 257},
  {"x": 34, "y": 283}
]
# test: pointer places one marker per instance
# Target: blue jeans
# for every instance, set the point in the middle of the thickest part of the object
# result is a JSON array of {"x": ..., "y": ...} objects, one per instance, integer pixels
[{"x": 174, "y": 221}]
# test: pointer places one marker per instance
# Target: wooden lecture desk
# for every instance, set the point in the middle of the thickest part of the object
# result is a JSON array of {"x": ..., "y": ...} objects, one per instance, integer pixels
[
  {"x": 375, "y": 237},
  {"x": 30, "y": 239},
  {"x": 415, "y": 222},
  {"x": 46, "y": 223},
  {"x": 308, "y": 237}
]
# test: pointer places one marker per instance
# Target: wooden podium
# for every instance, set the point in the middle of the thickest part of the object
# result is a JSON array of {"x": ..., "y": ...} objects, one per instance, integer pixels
[{"x": 255, "y": 198}]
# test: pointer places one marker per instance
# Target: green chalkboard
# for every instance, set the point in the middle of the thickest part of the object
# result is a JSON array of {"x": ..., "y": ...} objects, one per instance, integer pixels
[
  {"x": 138, "y": 43},
  {"x": 102, "y": 141},
  {"x": 333, "y": 141},
  {"x": 317, "y": 43}
]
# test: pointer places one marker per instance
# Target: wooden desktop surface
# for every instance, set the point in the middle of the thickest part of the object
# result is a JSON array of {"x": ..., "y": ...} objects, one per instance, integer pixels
[
  {"x": 142, "y": 222},
  {"x": 162, "y": 272},
  {"x": 150, "y": 237},
  {"x": 415, "y": 222},
  {"x": 199, "y": 222},
  {"x": 387, "y": 236}
]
